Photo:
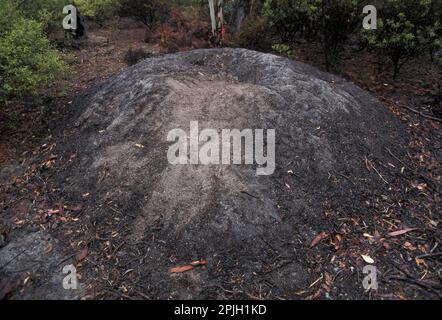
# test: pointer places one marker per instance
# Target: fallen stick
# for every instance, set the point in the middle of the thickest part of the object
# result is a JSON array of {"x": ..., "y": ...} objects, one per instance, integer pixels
[
  {"x": 434, "y": 288},
  {"x": 428, "y": 255},
  {"x": 376, "y": 170},
  {"x": 427, "y": 116}
]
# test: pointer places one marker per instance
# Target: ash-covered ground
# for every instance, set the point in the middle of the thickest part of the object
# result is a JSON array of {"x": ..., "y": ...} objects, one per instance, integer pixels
[{"x": 124, "y": 216}]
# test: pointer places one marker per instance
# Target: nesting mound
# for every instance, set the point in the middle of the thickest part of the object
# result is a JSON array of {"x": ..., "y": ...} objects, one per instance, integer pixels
[{"x": 238, "y": 221}]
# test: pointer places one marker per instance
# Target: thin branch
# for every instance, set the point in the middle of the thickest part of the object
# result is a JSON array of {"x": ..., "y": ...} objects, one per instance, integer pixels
[{"x": 414, "y": 110}]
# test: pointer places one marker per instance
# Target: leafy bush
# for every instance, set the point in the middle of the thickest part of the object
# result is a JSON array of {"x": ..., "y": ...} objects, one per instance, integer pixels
[
  {"x": 8, "y": 13},
  {"x": 433, "y": 30},
  {"x": 48, "y": 12},
  {"x": 283, "y": 50},
  {"x": 288, "y": 18},
  {"x": 330, "y": 22},
  {"x": 27, "y": 60},
  {"x": 405, "y": 29},
  {"x": 99, "y": 10}
]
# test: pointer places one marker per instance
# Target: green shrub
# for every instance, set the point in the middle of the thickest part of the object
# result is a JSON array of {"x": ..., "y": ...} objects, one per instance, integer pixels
[
  {"x": 99, "y": 10},
  {"x": 283, "y": 50},
  {"x": 329, "y": 22},
  {"x": 406, "y": 28},
  {"x": 27, "y": 60},
  {"x": 289, "y": 18},
  {"x": 433, "y": 30},
  {"x": 8, "y": 13},
  {"x": 48, "y": 12}
]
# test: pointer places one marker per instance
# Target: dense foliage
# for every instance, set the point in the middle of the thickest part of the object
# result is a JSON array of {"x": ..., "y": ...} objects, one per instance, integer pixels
[
  {"x": 99, "y": 10},
  {"x": 27, "y": 60},
  {"x": 406, "y": 28},
  {"x": 48, "y": 12}
]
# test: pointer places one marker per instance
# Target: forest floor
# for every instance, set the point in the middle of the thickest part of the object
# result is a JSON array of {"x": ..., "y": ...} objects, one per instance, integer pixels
[{"x": 413, "y": 253}]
